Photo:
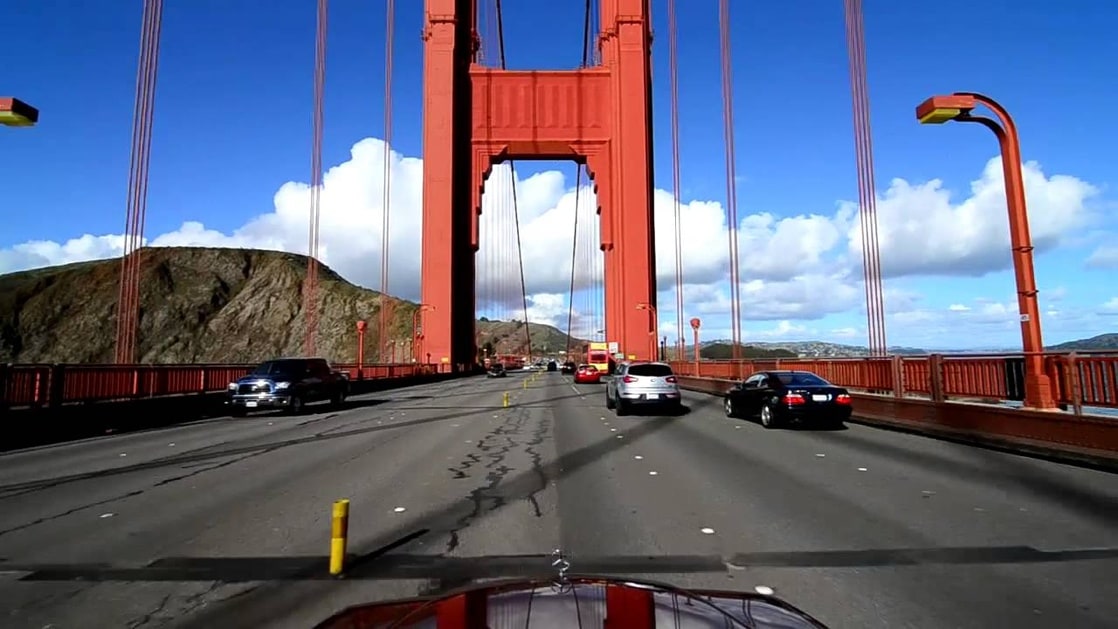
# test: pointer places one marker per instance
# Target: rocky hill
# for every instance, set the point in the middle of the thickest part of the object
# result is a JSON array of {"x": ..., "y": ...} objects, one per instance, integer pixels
[
  {"x": 499, "y": 336},
  {"x": 1100, "y": 342},
  {"x": 200, "y": 305}
]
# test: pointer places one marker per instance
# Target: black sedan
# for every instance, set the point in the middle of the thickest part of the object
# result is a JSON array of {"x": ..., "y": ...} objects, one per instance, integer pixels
[
  {"x": 496, "y": 370},
  {"x": 783, "y": 397}
]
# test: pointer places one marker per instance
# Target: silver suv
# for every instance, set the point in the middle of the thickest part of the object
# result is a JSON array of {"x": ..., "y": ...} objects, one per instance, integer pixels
[{"x": 642, "y": 384}]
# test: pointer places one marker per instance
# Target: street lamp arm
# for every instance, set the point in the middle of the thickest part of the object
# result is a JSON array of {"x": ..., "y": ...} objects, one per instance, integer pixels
[
  {"x": 989, "y": 123},
  {"x": 1007, "y": 124}
]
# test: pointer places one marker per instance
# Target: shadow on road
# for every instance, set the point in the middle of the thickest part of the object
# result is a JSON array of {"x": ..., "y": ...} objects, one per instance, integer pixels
[{"x": 459, "y": 569}]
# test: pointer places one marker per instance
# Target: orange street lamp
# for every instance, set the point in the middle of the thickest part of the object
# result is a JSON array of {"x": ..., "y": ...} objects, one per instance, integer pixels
[
  {"x": 16, "y": 113},
  {"x": 958, "y": 106},
  {"x": 696, "y": 323},
  {"x": 361, "y": 327}
]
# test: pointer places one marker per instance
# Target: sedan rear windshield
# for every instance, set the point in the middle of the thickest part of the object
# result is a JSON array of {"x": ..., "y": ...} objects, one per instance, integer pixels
[
  {"x": 657, "y": 371},
  {"x": 801, "y": 379}
]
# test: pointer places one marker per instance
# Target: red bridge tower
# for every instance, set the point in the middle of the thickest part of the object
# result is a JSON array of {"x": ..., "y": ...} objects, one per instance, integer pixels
[{"x": 477, "y": 116}]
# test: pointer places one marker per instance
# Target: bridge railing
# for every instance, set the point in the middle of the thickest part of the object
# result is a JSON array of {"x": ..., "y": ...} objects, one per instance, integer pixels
[
  {"x": 1079, "y": 380},
  {"x": 50, "y": 385}
]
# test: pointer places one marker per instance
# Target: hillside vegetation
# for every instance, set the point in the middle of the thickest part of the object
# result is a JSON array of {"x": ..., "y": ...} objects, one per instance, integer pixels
[{"x": 203, "y": 305}]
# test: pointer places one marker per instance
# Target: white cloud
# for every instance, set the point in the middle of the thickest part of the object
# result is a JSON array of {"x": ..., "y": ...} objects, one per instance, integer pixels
[
  {"x": 793, "y": 268},
  {"x": 782, "y": 330},
  {"x": 922, "y": 233},
  {"x": 959, "y": 307},
  {"x": 1105, "y": 257},
  {"x": 40, "y": 253},
  {"x": 1110, "y": 307}
]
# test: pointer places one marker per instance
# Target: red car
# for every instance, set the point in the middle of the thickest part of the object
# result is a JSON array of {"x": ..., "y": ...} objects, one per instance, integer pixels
[{"x": 587, "y": 374}]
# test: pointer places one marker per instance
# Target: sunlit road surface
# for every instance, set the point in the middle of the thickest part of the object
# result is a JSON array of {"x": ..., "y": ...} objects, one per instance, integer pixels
[{"x": 225, "y": 523}]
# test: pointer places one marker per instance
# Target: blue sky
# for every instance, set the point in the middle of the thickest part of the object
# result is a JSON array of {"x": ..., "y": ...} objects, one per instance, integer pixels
[{"x": 233, "y": 125}]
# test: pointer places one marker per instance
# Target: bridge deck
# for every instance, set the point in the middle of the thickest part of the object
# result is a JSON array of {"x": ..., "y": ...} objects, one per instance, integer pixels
[{"x": 861, "y": 527}]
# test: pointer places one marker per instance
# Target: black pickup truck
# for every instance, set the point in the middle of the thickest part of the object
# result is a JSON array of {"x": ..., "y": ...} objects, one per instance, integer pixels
[{"x": 288, "y": 384}]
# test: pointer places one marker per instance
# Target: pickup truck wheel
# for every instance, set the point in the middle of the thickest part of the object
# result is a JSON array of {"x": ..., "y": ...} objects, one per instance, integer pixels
[
  {"x": 296, "y": 406},
  {"x": 338, "y": 398}
]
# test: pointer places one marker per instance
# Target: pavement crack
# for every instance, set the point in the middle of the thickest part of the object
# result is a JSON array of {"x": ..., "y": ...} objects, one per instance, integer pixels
[
  {"x": 175, "y": 479},
  {"x": 532, "y": 448},
  {"x": 148, "y": 617},
  {"x": 495, "y": 448},
  {"x": 63, "y": 514}
]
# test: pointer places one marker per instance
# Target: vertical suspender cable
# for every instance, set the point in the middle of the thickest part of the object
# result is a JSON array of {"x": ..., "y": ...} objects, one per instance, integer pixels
[
  {"x": 731, "y": 188},
  {"x": 128, "y": 309},
  {"x": 673, "y": 73},
  {"x": 864, "y": 195},
  {"x": 574, "y": 259},
  {"x": 310, "y": 288},
  {"x": 867, "y": 191},
  {"x": 515, "y": 211},
  {"x": 578, "y": 189},
  {"x": 385, "y": 240},
  {"x": 867, "y": 129},
  {"x": 149, "y": 119}
]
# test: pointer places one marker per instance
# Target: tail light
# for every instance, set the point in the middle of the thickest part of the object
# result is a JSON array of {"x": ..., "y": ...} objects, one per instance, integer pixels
[
  {"x": 670, "y": 379},
  {"x": 628, "y": 379},
  {"x": 793, "y": 399},
  {"x": 842, "y": 398}
]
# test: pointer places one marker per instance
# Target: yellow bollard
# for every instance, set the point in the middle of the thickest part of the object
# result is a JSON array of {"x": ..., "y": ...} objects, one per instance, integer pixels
[
  {"x": 525, "y": 384},
  {"x": 339, "y": 531},
  {"x": 506, "y": 400}
]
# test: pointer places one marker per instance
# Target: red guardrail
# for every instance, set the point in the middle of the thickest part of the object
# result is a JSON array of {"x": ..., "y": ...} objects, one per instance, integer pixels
[
  {"x": 54, "y": 385},
  {"x": 1078, "y": 380}
]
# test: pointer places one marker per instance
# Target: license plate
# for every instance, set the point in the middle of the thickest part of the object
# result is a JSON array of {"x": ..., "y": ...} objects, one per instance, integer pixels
[
  {"x": 820, "y": 398},
  {"x": 250, "y": 404}
]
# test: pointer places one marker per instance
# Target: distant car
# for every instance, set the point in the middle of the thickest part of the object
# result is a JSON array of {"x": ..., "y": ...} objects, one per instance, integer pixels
[
  {"x": 289, "y": 384},
  {"x": 587, "y": 374},
  {"x": 497, "y": 370},
  {"x": 642, "y": 384},
  {"x": 552, "y": 365},
  {"x": 567, "y": 368},
  {"x": 782, "y": 397}
]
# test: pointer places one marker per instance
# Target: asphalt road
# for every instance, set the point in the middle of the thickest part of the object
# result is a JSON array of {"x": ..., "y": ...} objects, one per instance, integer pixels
[{"x": 225, "y": 523}]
